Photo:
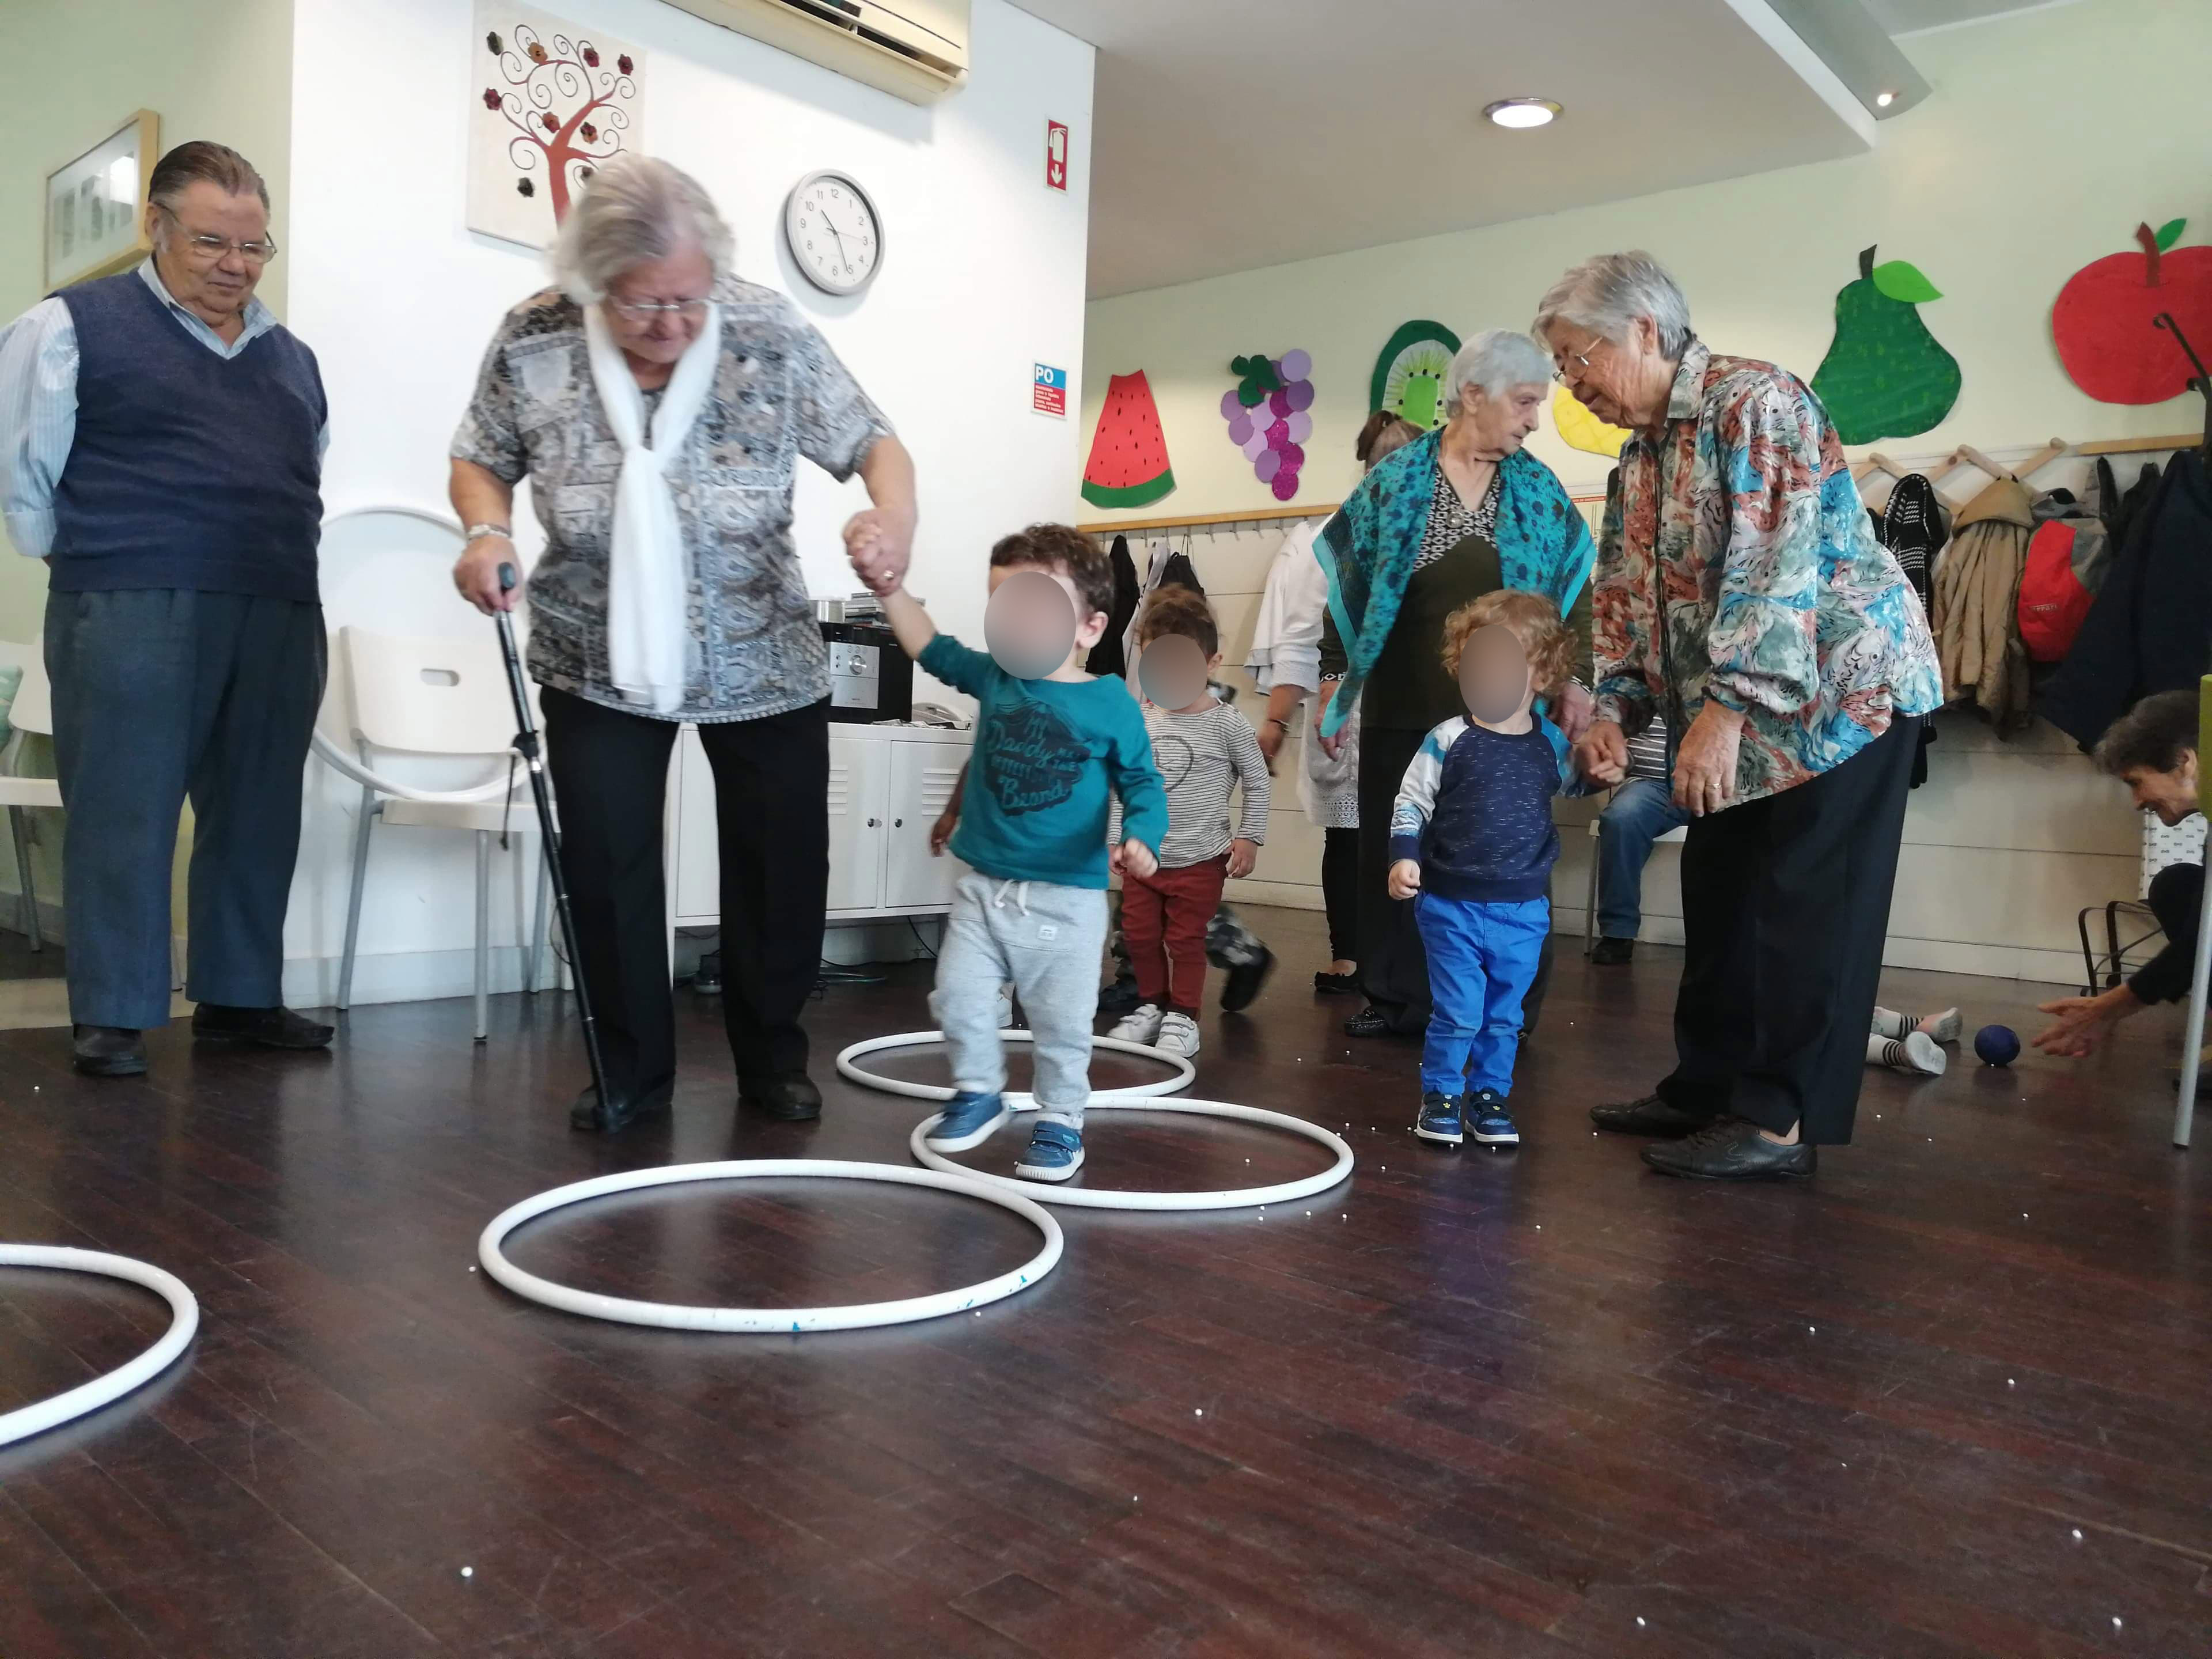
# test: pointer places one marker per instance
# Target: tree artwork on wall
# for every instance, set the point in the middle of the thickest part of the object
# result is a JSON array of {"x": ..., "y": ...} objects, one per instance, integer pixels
[{"x": 552, "y": 103}]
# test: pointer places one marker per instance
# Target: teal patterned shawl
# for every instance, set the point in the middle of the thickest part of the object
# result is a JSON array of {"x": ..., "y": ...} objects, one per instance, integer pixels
[{"x": 1368, "y": 549}]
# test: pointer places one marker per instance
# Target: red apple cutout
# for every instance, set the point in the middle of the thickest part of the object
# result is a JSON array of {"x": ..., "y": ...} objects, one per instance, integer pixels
[{"x": 2101, "y": 323}]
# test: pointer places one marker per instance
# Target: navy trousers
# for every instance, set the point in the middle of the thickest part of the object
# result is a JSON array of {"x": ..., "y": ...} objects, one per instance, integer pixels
[{"x": 162, "y": 693}]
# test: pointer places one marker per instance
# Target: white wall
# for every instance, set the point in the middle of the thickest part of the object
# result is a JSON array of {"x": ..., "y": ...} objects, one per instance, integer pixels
[
  {"x": 1999, "y": 187},
  {"x": 983, "y": 275}
]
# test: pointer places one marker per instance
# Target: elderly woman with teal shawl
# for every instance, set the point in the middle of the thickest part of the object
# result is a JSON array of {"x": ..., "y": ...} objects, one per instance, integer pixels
[{"x": 1462, "y": 513}]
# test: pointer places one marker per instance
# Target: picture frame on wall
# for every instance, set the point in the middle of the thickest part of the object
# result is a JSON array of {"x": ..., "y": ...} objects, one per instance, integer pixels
[{"x": 96, "y": 202}]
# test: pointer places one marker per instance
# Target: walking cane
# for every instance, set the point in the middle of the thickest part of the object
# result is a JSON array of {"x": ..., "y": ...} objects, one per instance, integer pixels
[{"x": 526, "y": 745}]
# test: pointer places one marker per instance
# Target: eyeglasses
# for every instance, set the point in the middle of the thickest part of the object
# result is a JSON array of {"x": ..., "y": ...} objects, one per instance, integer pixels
[
  {"x": 1566, "y": 376},
  {"x": 645, "y": 310},
  {"x": 209, "y": 249}
]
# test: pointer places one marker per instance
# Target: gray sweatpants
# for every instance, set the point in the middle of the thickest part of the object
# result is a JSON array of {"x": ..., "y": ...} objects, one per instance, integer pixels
[{"x": 1046, "y": 939}]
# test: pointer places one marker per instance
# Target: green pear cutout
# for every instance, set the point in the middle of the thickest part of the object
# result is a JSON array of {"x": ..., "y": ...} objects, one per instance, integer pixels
[{"x": 1886, "y": 376}]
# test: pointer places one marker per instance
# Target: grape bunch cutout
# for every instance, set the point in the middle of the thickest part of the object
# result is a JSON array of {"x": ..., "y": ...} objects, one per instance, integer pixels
[{"x": 1269, "y": 416}]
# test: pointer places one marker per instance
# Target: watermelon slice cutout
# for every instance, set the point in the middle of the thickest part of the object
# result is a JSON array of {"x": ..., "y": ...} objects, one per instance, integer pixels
[{"x": 1128, "y": 464}]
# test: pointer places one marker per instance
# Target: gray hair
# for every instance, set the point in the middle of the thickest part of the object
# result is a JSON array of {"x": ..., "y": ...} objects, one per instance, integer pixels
[
  {"x": 201, "y": 160},
  {"x": 1607, "y": 294},
  {"x": 1494, "y": 360},
  {"x": 635, "y": 208}
]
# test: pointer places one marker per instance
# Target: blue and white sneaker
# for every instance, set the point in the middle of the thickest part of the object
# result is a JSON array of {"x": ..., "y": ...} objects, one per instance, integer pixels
[
  {"x": 1439, "y": 1120},
  {"x": 1055, "y": 1152},
  {"x": 969, "y": 1120},
  {"x": 1490, "y": 1120}
]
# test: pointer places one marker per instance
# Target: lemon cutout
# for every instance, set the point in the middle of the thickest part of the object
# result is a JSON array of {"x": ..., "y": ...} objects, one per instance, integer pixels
[{"x": 1581, "y": 430}]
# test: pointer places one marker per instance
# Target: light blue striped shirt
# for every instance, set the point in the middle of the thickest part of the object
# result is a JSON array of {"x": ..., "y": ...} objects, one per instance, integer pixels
[{"x": 38, "y": 404}]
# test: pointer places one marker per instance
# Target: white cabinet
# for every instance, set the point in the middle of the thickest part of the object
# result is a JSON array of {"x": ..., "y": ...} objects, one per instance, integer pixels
[{"x": 887, "y": 785}]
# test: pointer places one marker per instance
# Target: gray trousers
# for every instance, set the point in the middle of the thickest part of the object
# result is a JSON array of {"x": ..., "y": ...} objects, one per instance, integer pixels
[
  {"x": 161, "y": 694},
  {"x": 1045, "y": 939}
]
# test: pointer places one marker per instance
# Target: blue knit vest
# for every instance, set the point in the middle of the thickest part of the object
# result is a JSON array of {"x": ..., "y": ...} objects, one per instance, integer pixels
[{"x": 187, "y": 470}]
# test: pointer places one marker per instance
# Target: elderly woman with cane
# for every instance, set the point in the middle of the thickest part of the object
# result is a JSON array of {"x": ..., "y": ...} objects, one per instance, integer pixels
[
  {"x": 1741, "y": 593},
  {"x": 659, "y": 406}
]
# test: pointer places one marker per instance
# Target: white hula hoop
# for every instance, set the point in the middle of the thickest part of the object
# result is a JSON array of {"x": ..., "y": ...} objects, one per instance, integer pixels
[
  {"x": 847, "y": 1068},
  {"x": 851, "y": 1317},
  {"x": 86, "y": 1398},
  {"x": 1092, "y": 1197}
]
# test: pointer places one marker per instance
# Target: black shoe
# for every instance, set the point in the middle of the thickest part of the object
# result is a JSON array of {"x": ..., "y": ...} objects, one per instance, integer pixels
[
  {"x": 707, "y": 980},
  {"x": 794, "y": 1099},
  {"x": 1119, "y": 998},
  {"x": 1369, "y": 1022},
  {"x": 1613, "y": 952},
  {"x": 1244, "y": 982},
  {"x": 1336, "y": 985},
  {"x": 620, "y": 1112},
  {"x": 109, "y": 1051},
  {"x": 1651, "y": 1116},
  {"x": 259, "y": 1027},
  {"x": 1730, "y": 1151}
]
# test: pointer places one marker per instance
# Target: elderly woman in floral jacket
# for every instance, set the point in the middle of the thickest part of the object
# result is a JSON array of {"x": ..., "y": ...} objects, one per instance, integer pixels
[{"x": 1740, "y": 590}]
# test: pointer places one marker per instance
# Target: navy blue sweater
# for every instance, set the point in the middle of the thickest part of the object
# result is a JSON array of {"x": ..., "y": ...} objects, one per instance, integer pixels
[
  {"x": 187, "y": 469},
  {"x": 1475, "y": 811}
]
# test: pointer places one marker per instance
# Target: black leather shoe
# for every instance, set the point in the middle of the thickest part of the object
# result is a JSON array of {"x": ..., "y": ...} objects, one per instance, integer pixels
[
  {"x": 1244, "y": 982},
  {"x": 1369, "y": 1022},
  {"x": 108, "y": 1051},
  {"x": 1613, "y": 952},
  {"x": 1730, "y": 1151},
  {"x": 618, "y": 1113},
  {"x": 794, "y": 1099},
  {"x": 1651, "y": 1116},
  {"x": 259, "y": 1027},
  {"x": 1119, "y": 998},
  {"x": 1336, "y": 985}
]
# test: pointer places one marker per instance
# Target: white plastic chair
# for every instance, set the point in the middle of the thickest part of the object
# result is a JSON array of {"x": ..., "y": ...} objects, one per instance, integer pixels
[
  {"x": 1680, "y": 832},
  {"x": 31, "y": 715},
  {"x": 435, "y": 696}
]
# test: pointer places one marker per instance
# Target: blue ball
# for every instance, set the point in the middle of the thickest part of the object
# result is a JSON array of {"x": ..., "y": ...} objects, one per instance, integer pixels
[{"x": 1997, "y": 1045}]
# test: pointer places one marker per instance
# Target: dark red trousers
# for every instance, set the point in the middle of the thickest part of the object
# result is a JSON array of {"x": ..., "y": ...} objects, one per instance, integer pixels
[{"x": 1163, "y": 917}]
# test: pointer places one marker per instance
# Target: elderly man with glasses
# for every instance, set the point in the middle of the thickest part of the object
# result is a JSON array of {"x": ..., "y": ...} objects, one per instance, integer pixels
[{"x": 161, "y": 448}]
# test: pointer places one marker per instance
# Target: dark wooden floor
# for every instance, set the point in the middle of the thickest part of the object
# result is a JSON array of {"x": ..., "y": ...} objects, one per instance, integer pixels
[{"x": 1952, "y": 1399}]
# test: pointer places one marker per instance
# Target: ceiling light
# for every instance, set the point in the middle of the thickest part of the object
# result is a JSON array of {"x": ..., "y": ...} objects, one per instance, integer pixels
[
  {"x": 1884, "y": 99},
  {"x": 1522, "y": 112}
]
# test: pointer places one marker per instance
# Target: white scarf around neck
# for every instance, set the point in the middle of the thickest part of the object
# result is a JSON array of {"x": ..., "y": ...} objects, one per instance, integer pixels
[{"x": 648, "y": 571}]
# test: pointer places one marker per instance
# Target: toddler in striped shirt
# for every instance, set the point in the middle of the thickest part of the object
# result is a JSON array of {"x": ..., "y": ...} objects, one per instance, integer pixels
[{"x": 1202, "y": 748}]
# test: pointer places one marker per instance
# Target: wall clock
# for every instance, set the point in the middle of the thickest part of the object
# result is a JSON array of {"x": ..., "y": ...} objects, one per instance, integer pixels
[{"x": 835, "y": 233}]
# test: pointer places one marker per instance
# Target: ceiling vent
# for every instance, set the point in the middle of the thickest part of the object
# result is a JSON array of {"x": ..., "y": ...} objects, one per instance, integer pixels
[{"x": 916, "y": 49}]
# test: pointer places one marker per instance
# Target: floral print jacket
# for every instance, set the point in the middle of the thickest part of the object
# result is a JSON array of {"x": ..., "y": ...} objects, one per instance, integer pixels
[{"x": 1737, "y": 562}]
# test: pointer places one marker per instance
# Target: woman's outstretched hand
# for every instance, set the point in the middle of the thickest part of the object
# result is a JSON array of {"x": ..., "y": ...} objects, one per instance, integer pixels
[
  {"x": 1602, "y": 755},
  {"x": 879, "y": 543}
]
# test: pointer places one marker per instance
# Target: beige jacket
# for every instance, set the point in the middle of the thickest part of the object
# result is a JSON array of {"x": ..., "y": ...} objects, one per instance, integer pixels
[{"x": 1975, "y": 615}]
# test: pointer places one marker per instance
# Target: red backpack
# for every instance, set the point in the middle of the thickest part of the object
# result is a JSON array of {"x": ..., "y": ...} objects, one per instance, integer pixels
[{"x": 2066, "y": 562}]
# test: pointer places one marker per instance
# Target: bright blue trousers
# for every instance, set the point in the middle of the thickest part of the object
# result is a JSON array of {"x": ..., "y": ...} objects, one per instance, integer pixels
[{"x": 1482, "y": 959}]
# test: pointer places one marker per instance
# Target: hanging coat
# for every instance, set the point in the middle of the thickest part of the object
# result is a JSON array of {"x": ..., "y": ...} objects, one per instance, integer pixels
[
  {"x": 1976, "y": 617},
  {"x": 1106, "y": 659},
  {"x": 1913, "y": 529},
  {"x": 2150, "y": 630}
]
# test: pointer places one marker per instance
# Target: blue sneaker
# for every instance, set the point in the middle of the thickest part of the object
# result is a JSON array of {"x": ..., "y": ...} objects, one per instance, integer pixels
[
  {"x": 1440, "y": 1120},
  {"x": 1055, "y": 1152},
  {"x": 1493, "y": 1124},
  {"x": 969, "y": 1120}
]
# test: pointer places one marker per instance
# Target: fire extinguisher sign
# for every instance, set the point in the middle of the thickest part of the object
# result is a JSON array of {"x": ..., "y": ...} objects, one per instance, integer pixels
[
  {"x": 1055, "y": 154},
  {"x": 1051, "y": 391}
]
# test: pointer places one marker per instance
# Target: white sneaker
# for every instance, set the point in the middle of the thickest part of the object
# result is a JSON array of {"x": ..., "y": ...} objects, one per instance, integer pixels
[
  {"x": 1143, "y": 1026},
  {"x": 1178, "y": 1035}
]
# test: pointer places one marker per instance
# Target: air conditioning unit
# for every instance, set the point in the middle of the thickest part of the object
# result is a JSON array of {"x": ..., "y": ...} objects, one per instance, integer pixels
[{"x": 916, "y": 49}]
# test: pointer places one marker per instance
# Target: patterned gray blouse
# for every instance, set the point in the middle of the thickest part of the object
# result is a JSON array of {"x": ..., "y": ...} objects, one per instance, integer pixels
[{"x": 780, "y": 392}]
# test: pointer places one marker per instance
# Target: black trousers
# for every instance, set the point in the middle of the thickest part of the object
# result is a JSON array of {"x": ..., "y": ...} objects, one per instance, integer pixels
[
  {"x": 610, "y": 772},
  {"x": 1785, "y": 904},
  {"x": 162, "y": 693},
  {"x": 2177, "y": 893},
  {"x": 1394, "y": 963},
  {"x": 1339, "y": 891}
]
